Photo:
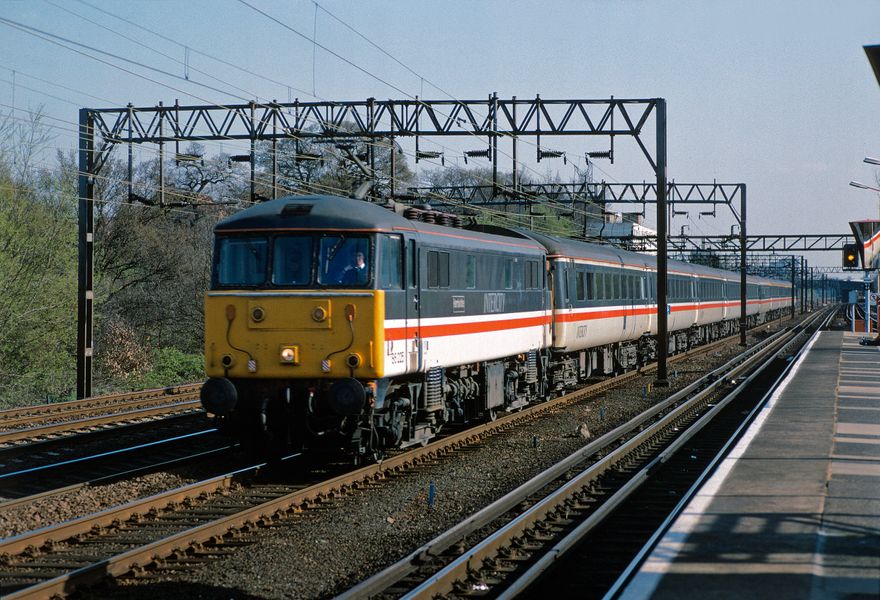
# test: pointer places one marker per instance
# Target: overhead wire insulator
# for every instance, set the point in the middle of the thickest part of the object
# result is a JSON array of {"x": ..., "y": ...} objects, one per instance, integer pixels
[
  {"x": 429, "y": 154},
  {"x": 552, "y": 154},
  {"x": 476, "y": 154}
]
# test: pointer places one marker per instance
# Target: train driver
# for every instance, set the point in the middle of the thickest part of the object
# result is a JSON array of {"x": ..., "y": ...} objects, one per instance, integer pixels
[{"x": 357, "y": 271}]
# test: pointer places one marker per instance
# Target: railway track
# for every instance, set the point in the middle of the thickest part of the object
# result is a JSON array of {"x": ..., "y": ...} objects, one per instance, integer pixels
[
  {"x": 505, "y": 548},
  {"x": 44, "y": 421},
  {"x": 192, "y": 524},
  {"x": 33, "y": 454},
  {"x": 95, "y": 469}
]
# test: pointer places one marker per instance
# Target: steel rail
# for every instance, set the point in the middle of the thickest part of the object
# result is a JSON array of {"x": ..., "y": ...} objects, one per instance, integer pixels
[
  {"x": 642, "y": 555},
  {"x": 66, "y": 475},
  {"x": 100, "y": 409},
  {"x": 59, "y": 444},
  {"x": 15, "y": 435},
  {"x": 172, "y": 462},
  {"x": 403, "y": 568},
  {"x": 106, "y": 454},
  {"x": 573, "y": 538},
  {"x": 285, "y": 504},
  {"x": 71, "y": 405},
  {"x": 69, "y": 529}
]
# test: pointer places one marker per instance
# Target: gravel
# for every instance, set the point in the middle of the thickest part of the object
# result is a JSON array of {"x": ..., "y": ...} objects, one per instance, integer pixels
[
  {"x": 323, "y": 552},
  {"x": 83, "y": 501}
]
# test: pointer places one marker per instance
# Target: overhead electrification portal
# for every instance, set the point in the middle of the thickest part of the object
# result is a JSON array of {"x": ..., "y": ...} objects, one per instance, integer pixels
[{"x": 101, "y": 130}]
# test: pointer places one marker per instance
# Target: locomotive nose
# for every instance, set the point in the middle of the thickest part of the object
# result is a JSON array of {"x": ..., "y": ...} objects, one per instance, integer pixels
[{"x": 218, "y": 396}]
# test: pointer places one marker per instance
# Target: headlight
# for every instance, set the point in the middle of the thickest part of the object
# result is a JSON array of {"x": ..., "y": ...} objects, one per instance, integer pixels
[{"x": 290, "y": 355}]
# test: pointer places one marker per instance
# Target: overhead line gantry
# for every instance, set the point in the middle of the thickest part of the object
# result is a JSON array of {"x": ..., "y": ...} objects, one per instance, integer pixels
[{"x": 493, "y": 119}]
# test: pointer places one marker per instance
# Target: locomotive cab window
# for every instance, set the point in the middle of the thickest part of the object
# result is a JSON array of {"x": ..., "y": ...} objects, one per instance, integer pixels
[
  {"x": 291, "y": 260},
  {"x": 241, "y": 262},
  {"x": 344, "y": 261}
]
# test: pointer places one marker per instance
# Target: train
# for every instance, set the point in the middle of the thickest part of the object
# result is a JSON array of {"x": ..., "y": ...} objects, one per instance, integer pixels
[{"x": 341, "y": 323}]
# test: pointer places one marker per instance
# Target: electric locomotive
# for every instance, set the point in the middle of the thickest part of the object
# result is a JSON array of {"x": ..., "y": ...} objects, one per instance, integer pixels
[{"x": 305, "y": 347}]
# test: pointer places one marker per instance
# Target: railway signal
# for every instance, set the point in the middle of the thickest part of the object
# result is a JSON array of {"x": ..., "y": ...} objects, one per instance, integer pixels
[{"x": 851, "y": 256}]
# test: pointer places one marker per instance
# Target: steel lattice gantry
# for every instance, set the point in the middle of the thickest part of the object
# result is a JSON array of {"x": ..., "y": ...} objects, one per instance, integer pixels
[
  {"x": 822, "y": 242},
  {"x": 101, "y": 130},
  {"x": 601, "y": 194}
]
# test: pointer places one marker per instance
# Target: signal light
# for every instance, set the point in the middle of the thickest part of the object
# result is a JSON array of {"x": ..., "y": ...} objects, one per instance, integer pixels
[{"x": 850, "y": 256}]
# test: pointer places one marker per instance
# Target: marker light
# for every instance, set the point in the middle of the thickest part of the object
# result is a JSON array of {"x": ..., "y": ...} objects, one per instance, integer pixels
[{"x": 290, "y": 355}]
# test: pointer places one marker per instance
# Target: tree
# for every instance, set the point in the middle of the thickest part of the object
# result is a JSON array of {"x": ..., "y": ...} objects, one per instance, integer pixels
[
  {"x": 153, "y": 259},
  {"x": 37, "y": 271}
]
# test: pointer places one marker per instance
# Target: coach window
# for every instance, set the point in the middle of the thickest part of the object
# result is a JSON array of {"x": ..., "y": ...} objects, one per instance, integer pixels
[
  {"x": 390, "y": 272},
  {"x": 508, "y": 274},
  {"x": 470, "y": 272},
  {"x": 580, "y": 288}
]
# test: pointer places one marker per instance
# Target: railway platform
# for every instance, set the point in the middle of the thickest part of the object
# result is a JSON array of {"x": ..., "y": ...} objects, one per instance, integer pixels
[{"x": 794, "y": 510}]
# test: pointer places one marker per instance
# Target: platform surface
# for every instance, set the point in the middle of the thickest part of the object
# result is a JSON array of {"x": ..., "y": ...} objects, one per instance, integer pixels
[{"x": 794, "y": 511}]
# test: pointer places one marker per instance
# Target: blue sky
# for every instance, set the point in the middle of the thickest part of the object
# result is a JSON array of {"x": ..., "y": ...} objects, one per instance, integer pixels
[{"x": 778, "y": 95}]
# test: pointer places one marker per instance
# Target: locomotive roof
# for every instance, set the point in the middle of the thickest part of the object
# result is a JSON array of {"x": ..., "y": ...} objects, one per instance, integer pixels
[
  {"x": 337, "y": 213},
  {"x": 313, "y": 212}
]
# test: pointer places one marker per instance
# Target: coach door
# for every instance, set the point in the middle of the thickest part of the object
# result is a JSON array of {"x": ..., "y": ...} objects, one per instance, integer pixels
[
  {"x": 626, "y": 292},
  {"x": 413, "y": 309}
]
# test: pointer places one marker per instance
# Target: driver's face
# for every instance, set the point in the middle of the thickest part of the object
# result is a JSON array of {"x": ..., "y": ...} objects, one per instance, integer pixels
[{"x": 359, "y": 259}]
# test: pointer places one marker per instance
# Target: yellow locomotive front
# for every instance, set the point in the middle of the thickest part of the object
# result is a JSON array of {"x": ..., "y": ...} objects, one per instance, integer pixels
[
  {"x": 294, "y": 329},
  {"x": 284, "y": 335}
]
